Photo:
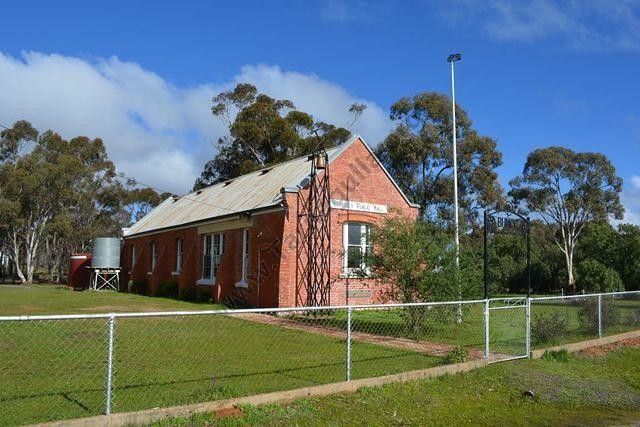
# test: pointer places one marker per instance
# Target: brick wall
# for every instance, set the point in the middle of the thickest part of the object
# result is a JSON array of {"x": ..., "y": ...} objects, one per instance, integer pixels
[
  {"x": 272, "y": 274},
  {"x": 167, "y": 258},
  {"x": 264, "y": 244},
  {"x": 354, "y": 176}
]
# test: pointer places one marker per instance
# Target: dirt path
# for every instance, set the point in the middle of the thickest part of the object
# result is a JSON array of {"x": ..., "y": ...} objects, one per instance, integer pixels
[
  {"x": 430, "y": 348},
  {"x": 599, "y": 351}
]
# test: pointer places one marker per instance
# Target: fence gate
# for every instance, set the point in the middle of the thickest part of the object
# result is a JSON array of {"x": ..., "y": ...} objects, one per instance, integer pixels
[{"x": 506, "y": 330}]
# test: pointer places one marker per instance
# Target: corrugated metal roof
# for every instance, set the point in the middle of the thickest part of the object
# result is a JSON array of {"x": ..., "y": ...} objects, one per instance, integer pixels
[{"x": 256, "y": 190}]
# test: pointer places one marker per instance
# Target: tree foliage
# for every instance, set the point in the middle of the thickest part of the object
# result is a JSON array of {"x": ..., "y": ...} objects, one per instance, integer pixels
[
  {"x": 595, "y": 277},
  {"x": 419, "y": 154},
  {"x": 617, "y": 249},
  {"x": 418, "y": 260},
  {"x": 56, "y": 195},
  {"x": 568, "y": 190},
  {"x": 264, "y": 131}
]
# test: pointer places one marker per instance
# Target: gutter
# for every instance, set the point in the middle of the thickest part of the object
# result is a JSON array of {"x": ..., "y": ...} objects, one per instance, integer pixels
[{"x": 236, "y": 215}]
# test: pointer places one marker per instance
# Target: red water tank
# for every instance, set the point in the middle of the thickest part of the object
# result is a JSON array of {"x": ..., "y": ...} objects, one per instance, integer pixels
[{"x": 78, "y": 273}]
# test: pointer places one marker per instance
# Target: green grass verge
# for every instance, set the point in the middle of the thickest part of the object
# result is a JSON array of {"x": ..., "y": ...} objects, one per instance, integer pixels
[
  {"x": 581, "y": 391},
  {"x": 57, "y": 369},
  {"x": 58, "y": 299}
]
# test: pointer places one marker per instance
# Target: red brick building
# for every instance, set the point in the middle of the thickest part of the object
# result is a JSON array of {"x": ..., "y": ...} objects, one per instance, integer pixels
[{"x": 237, "y": 240}]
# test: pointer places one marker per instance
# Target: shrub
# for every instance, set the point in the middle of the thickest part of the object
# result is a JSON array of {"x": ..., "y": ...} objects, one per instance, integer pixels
[
  {"x": 205, "y": 297},
  {"x": 168, "y": 289},
  {"x": 457, "y": 355},
  {"x": 633, "y": 319},
  {"x": 188, "y": 294},
  {"x": 588, "y": 314},
  {"x": 548, "y": 328},
  {"x": 556, "y": 356},
  {"x": 138, "y": 287}
]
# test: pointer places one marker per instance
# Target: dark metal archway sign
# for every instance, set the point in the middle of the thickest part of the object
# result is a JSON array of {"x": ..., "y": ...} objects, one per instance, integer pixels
[{"x": 507, "y": 221}]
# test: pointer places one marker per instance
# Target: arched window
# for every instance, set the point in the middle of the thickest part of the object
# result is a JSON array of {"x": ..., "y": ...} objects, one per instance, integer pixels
[{"x": 356, "y": 240}]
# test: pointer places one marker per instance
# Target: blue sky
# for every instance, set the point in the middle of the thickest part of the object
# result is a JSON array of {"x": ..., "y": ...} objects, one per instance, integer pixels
[{"x": 141, "y": 74}]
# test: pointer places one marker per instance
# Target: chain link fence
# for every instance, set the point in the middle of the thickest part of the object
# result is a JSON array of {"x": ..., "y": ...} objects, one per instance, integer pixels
[
  {"x": 72, "y": 366},
  {"x": 565, "y": 319}
]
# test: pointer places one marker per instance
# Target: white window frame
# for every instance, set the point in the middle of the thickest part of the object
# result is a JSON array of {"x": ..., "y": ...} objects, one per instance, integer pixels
[
  {"x": 365, "y": 232},
  {"x": 179, "y": 255},
  {"x": 245, "y": 258},
  {"x": 215, "y": 257},
  {"x": 154, "y": 254},
  {"x": 133, "y": 256}
]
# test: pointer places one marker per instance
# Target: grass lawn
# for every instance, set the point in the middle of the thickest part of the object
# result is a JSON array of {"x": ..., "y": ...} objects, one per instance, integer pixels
[
  {"x": 582, "y": 391},
  {"x": 57, "y": 369},
  {"x": 57, "y": 299}
]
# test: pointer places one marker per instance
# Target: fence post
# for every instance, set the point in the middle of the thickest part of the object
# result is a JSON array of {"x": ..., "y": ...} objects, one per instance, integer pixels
[
  {"x": 349, "y": 343},
  {"x": 486, "y": 329},
  {"x": 112, "y": 321},
  {"x": 528, "y": 328},
  {"x": 599, "y": 315}
]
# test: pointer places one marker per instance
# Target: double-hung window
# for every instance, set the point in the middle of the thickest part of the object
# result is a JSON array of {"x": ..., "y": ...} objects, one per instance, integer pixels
[
  {"x": 179, "y": 256},
  {"x": 212, "y": 255},
  {"x": 356, "y": 239}
]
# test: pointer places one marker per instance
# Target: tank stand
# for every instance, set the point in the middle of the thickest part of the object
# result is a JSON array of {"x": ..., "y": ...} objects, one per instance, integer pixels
[{"x": 105, "y": 279}]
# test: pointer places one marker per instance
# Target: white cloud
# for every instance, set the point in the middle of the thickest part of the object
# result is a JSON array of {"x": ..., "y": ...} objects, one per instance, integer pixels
[
  {"x": 154, "y": 131},
  {"x": 327, "y": 101},
  {"x": 631, "y": 200},
  {"x": 588, "y": 25}
]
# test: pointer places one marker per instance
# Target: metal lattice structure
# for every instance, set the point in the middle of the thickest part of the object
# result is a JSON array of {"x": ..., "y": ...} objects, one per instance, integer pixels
[{"x": 313, "y": 241}]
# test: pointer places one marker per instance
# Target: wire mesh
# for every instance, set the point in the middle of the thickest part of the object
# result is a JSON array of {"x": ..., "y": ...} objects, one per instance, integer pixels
[
  {"x": 398, "y": 339},
  {"x": 168, "y": 361},
  {"x": 507, "y": 328},
  {"x": 563, "y": 320},
  {"x": 57, "y": 367},
  {"x": 53, "y": 369},
  {"x": 620, "y": 313}
]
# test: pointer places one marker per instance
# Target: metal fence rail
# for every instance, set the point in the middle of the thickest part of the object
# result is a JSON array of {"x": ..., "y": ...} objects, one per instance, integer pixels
[{"x": 69, "y": 366}]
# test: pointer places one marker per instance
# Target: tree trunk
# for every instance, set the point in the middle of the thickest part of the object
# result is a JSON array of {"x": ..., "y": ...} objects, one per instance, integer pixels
[
  {"x": 571, "y": 281},
  {"x": 15, "y": 248}
]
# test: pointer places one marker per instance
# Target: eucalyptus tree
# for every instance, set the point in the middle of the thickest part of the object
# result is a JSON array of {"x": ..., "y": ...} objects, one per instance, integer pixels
[
  {"x": 56, "y": 195},
  {"x": 568, "y": 190},
  {"x": 264, "y": 131},
  {"x": 419, "y": 155}
]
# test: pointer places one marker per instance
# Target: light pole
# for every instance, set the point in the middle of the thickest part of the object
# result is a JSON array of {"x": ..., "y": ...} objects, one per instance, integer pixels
[{"x": 451, "y": 59}]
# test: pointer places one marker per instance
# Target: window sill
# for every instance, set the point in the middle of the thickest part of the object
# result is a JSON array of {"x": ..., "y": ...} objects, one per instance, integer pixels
[
  {"x": 175, "y": 273},
  {"x": 206, "y": 282},
  {"x": 149, "y": 273},
  {"x": 352, "y": 275},
  {"x": 242, "y": 284}
]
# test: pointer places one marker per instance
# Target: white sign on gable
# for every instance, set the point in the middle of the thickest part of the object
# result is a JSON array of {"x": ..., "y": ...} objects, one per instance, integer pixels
[{"x": 358, "y": 206}]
